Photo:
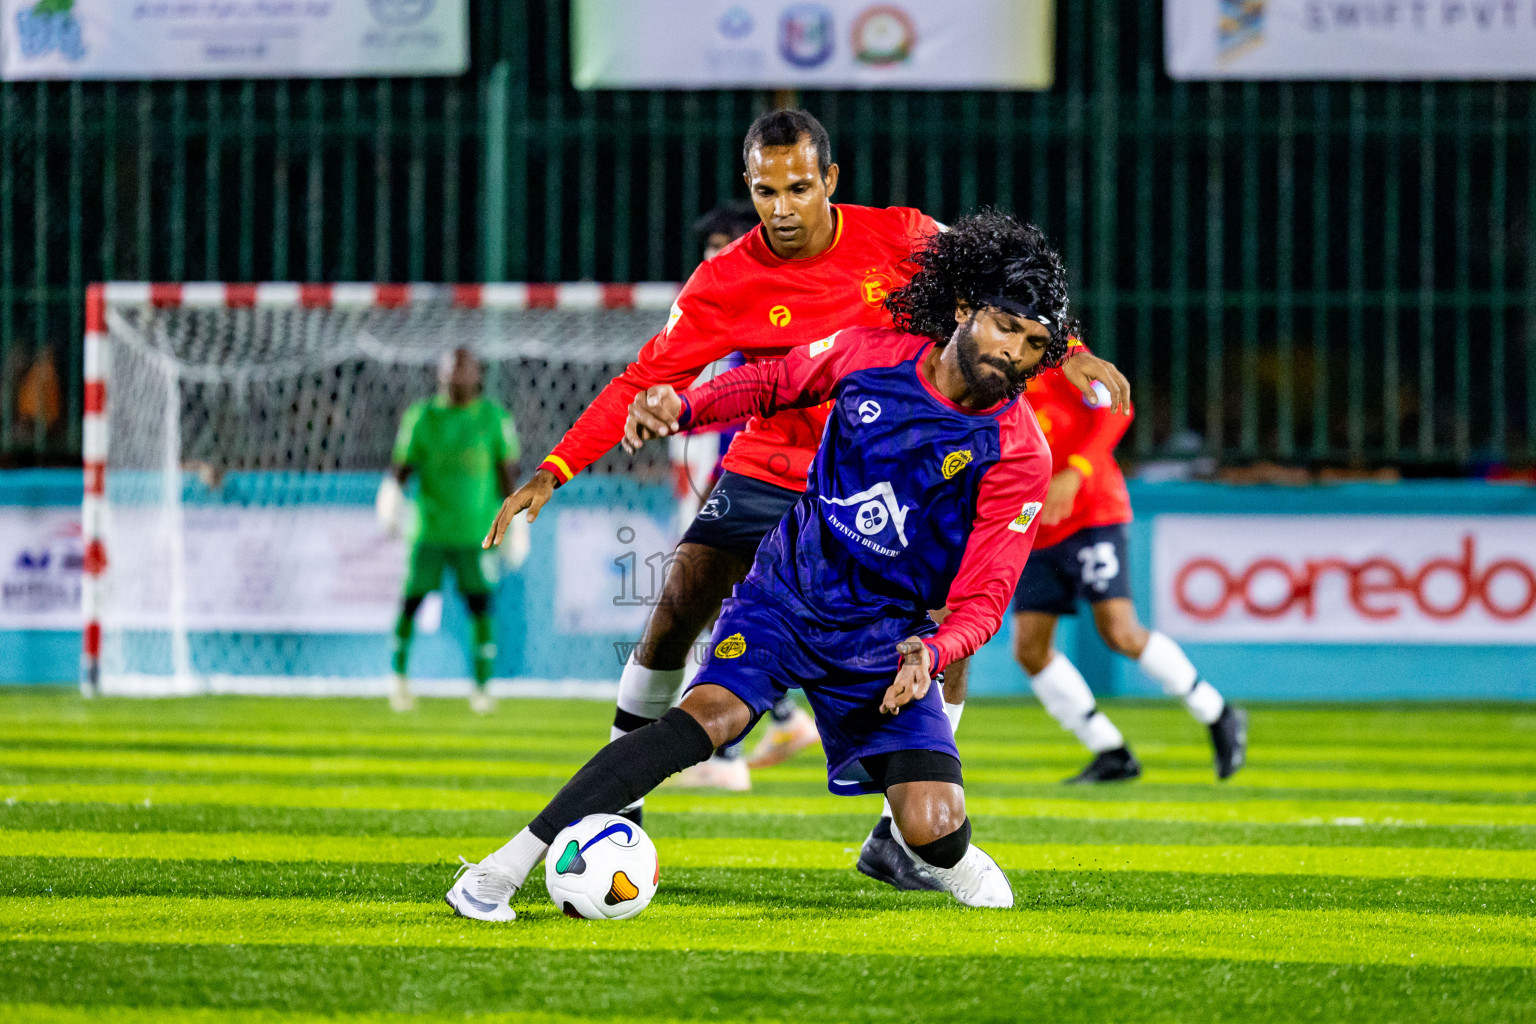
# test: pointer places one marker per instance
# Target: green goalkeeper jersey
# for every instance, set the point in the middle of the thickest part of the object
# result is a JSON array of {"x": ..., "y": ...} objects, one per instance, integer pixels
[{"x": 454, "y": 451}]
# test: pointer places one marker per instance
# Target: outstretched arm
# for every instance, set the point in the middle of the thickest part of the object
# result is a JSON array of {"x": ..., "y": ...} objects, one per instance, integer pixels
[{"x": 806, "y": 376}]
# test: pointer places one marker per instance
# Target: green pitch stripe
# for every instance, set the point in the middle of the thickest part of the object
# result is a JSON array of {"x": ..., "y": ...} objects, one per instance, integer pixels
[
  {"x": 934, "y": 926},
  {"x": 1253, "y": 777},
  {"x": 43, "y": 1013},
  {"x": 975, "y": 751},
  {"x": 1133, "y": 808},
  {"x": 1365, "y": 862}
]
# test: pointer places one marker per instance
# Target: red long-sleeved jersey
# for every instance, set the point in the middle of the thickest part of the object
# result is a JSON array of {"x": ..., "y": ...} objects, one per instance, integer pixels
[
  {"x": 749, "y": 299},
  {"x": 913, "y": 502},
  {"x": 1082, "y": 437}
]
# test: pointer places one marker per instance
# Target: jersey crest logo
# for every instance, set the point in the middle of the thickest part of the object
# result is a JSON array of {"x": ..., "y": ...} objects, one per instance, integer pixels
[
  {"x": 877, "y": 509},
  {"x": 779, "y": 316},
  {"x": 954, "y": 462},
  {"x": 875, "y": 288},
  {"x": 869, "y": 410},
  {"x": 816, "y": 348},
  {"x": 1026, "y": 516},
  {"x": 733, "y": 646}
]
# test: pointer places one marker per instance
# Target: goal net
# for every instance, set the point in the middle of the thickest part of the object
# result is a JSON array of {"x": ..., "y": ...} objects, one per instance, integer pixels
[{"x": 235, "y": 436}]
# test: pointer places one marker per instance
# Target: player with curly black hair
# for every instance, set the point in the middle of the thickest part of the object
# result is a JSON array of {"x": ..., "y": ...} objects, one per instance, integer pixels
[{"x": 923, "y": 494}]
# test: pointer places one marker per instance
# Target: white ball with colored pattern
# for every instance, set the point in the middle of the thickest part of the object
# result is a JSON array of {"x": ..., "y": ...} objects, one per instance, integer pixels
[{"x": 602, "y": 867}]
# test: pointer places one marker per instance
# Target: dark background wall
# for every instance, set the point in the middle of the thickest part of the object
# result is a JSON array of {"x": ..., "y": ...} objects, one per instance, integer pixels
[{"x": 1318, "y": 274}]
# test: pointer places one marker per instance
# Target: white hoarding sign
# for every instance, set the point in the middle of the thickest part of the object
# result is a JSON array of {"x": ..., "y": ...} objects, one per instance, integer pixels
[
  {"x": 294, "y": 570},
  {"x": 40, "y": 562},
  {"x": 231, "y": 38},
  {"x": 1346, "y": 579},
  {"x": 713, "y": 44},
  {"x": 1350, "y": 39},
  {"x": 611, "y": 566}
]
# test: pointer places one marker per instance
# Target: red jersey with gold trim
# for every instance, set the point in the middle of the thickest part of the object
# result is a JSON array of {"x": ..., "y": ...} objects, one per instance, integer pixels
[
  {"x": 1082, "y": 437},
  {"x": 749, "y": 299}
]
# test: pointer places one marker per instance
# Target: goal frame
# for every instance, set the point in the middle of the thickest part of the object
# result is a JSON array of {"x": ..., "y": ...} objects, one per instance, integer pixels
[{"x": 102, "y": 298}]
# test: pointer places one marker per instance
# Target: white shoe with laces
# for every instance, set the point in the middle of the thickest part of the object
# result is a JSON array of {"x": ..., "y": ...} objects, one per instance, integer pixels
[
  {"x": 976, "y": 881},
  {"x": 482, "y": 893}
]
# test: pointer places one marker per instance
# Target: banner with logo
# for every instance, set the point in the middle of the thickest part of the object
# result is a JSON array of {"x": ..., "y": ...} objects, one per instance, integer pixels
[
  {"x": 611, "y": 568},
  {"x": 1350, "y": 39},
  {"x": 131, "y": 39},
  {"x": 1424, "y": 579},
  {"x": 40, "y": 567},
  {"x": 855, "y": 44},
  {"x": 315, "y": 569}
]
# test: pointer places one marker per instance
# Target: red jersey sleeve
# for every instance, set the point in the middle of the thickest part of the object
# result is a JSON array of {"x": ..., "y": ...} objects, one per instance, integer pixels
[
  {"x": 693, "y": 338},
  {"x": 1007, "y": 505},
  {"x": 803, "y": 378}
]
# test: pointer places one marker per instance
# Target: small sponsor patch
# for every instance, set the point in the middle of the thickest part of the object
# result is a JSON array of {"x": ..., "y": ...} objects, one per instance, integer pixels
[
  {"x": 677, "y": 314},
  {"x": 779, "y": 316},
  {"x": 954, "y": 462},
  {"x": 1025, "y": 517},
  {"x": 818, "y": 347},
  {"x": 733, "y": 646}
]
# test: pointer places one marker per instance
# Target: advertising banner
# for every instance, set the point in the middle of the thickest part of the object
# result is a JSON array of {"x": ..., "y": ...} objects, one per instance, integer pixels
[
  {"x": 853, "y": 44},
  {"x": 611, "y": 567},
  {"x": 134, "y": 39},
  {"x": 1420, "y": 579},
  {"x": 1350, "y": 39},
  {"x": 282, "y": 570},
  {"x": 40, "y": 566}
]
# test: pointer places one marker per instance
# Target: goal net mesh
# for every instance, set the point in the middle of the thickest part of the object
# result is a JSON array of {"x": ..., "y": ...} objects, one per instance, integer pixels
[{"x": 245, "y": 447}]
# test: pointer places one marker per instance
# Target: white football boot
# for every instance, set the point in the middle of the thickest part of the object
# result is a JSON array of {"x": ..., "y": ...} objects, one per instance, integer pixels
[
  {"x": 976, "y": 881},
  {"x": 727, "y": 773},
  {"x": 481, "y": 702},
  {"x": 482, "y": 893}
]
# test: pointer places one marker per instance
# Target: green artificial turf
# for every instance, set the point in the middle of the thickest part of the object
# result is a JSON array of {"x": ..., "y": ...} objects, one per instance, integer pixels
[{"x": 233, "y": 861}]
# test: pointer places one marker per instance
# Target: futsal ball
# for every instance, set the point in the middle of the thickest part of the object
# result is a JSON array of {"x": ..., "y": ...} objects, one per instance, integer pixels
[{"x": 604, "y": 866}]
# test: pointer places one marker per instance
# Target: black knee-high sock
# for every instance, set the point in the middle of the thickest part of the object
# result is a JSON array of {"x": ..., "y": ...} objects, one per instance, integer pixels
[{"x": 625, "y": 770}]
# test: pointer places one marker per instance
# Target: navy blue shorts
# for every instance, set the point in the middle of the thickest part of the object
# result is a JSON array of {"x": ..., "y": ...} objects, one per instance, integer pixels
[
  {"x": 1090, "y": 566},
  {"x": 738, "y": 515},
  {"x": 758, "y": 652}
]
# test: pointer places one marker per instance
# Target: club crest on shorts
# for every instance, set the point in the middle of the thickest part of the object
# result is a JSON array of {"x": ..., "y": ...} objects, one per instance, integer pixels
[
  {"x": 954, "y": 462},
  {"x": 733, "y": 646},
  {"x": 1025, "y": 517}
]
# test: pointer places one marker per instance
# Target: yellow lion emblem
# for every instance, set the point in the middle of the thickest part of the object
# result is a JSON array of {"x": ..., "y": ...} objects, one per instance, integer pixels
[
  {"x": 954, "y": 462},
  {"x": 733, "y": 646}
]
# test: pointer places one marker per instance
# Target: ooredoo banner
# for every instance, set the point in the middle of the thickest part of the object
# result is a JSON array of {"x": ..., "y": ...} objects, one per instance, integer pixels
[
  {"x": 231, "y": 38},
  {"x": 1346, "y": 579},
  {"x": 923, "y": 44},
  {"x": 1350, "y": 39}
]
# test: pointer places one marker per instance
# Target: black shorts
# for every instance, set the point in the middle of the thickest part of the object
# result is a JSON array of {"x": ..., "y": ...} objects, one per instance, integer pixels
[
  {"x": 1089, "y": 565},
  {"x": 738, "y": 515}
]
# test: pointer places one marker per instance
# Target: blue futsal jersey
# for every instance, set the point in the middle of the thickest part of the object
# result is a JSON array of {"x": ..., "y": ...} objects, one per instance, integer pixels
[{"x": 913, "y": 502}]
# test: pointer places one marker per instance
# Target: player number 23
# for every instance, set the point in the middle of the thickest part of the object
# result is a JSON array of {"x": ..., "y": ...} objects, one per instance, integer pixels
[{"x": 1100, "y": 564}]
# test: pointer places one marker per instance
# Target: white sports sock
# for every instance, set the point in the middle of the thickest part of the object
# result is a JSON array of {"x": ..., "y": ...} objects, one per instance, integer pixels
[
  {"x": 953, "y": 712},
  {"x": 1066, "y": 697},
  {"x": 1205, "y": 703},
  {"x": 520, "y": 855},
  {"x": 1165, "y": 661},
  {"x": 648, "y": 692}
]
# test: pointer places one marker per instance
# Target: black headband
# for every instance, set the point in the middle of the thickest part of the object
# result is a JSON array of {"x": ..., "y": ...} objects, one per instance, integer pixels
[{"x": 1022, "y": 309}]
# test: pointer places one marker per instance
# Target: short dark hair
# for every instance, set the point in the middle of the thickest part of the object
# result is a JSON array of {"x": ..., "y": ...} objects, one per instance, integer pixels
[
  {"x": 787, "y": 128},
  {"x": 734, "y": 219},
  {"x": 988, "y": 254}
]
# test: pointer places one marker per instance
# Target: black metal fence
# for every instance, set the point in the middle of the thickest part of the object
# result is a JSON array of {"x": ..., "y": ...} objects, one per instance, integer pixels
[{"x": 1327, "y": 274}]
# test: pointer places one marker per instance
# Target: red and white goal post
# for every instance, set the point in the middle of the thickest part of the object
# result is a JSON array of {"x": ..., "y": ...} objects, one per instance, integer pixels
[{"x": 232, "y": 433}]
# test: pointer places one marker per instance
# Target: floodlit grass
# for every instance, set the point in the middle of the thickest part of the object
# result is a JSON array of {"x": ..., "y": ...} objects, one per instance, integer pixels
[{"x": 231, "y": 861}]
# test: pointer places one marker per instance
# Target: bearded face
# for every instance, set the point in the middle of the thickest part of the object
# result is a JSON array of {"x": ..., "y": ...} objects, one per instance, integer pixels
[{"x": 990, "y": 379}]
